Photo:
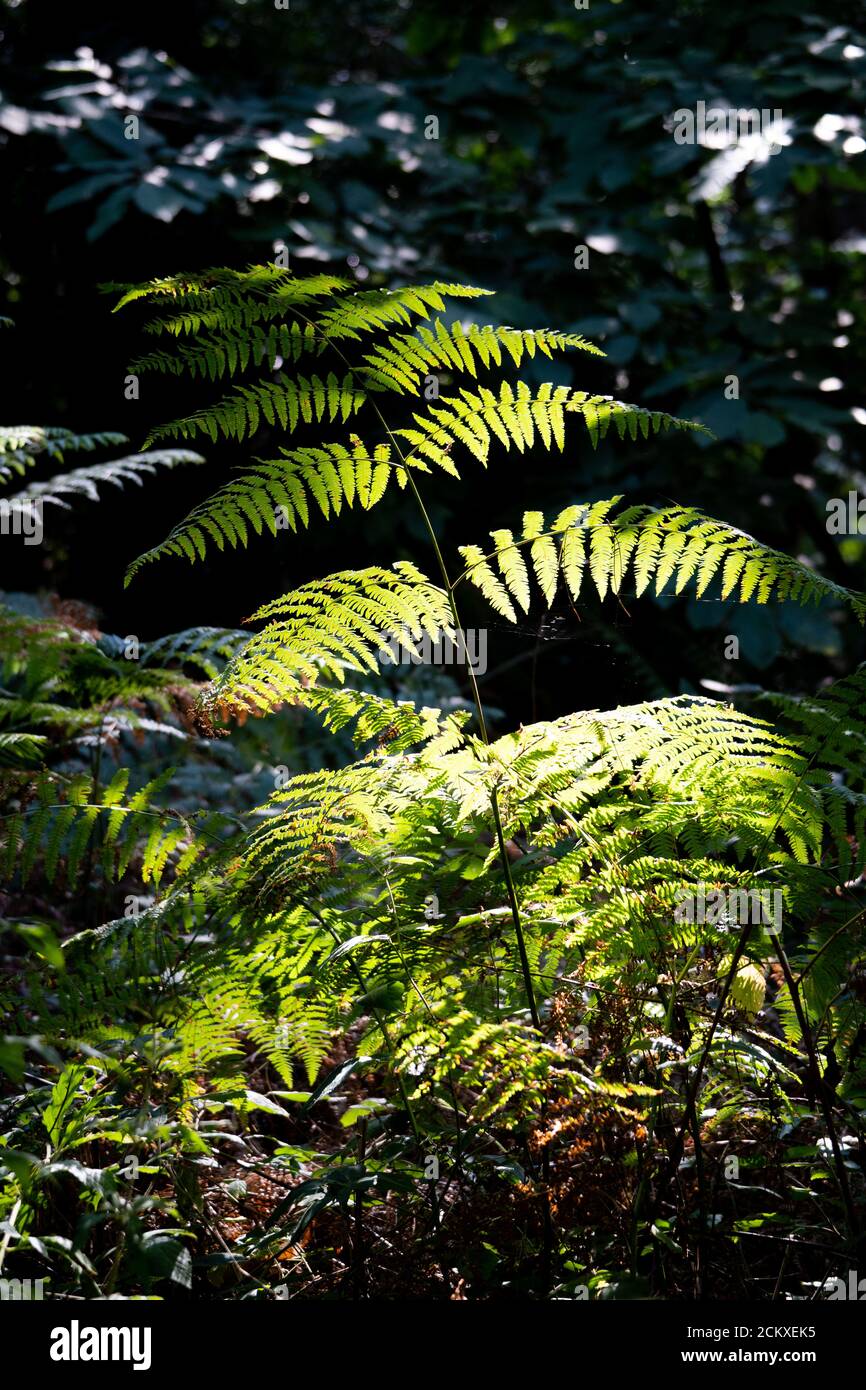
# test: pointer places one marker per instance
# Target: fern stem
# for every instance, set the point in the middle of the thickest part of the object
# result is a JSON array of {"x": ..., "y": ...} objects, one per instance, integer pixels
[
  {"x": 476, "y": 696},
  {"x": 482, "y": 724}
]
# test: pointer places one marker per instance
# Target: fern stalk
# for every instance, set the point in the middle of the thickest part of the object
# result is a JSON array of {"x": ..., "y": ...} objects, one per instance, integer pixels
[
  {"x": 494, "y": 796},
  {"x": 476, "y": 697}
]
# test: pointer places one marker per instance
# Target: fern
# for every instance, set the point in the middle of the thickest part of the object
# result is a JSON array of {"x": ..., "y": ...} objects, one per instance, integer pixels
[
  {"x": 330, "y": 625},
  {"x": 213, "y": 358},
  {"x": 20, "y": 748},
  {"x": 22, "y": 445},
  {"x": 367, "y": 310},
  {"x": 286, "y": 401},
  {"x": 265, "y": 316},
  {"x": 399, "y": 725},
  {"x": 409, "y": 357},
  {"x": 277, "y": 494},
  {"x": 83, "y": 482},
  {"x": 670, "y": 544},
  {"x": 207, "y": 648},
  {"x": 514, "y": 417},
  {"x": 451, "y": 906}
]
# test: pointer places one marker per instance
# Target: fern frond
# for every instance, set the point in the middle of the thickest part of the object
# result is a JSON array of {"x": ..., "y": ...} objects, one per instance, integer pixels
[
  {"x": 600, "y": 412},
  {"x": 21, "y": 749},
  {"x": 208, "y": 648},
  {"x": 225, "y": 300},
  {"x": 51, "y": 830},
  {"x": 517, "y": 414},
  {"x": 830, "y": 729},
  {"x": 83, "y": 482},
  {"x": 367, "y": 310},
  {"x": 408, "y": 357},
  {"x": 395, "y": 725},
  {"x": 670, "y": 545},
  {"x": 279, "y": 493},
  {"x": 214, "y": 357},
  {"x": 830, "y": 725},
  {"x": 309, "y": 823},
  {"x": 326, "y": 626},
  {"x": 22, "y": 445},
  {"x": 239, "y": 415}
]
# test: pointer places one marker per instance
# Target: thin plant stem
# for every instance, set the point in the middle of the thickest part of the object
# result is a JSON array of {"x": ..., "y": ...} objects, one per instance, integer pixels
[{"x": 476, "y": 696}]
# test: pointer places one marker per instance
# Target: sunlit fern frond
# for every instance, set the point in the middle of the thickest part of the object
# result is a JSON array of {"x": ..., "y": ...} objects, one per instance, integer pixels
[
  {"x": 519, "y": 416},
  {"x": 329, "y": 625},
  {"x": 368, "y": 310},
  {"x": 285, "y": 401},
  {"x": 403, "y": 362},
  {"x": 396, "y": 725},
  {"x": 223, "y": 299},
  {"x": 214, "y": 357},
  {"x": 676, "y": 546},
  {"x": 280, "y": 494},
  {"x": 264, "y": 316}
]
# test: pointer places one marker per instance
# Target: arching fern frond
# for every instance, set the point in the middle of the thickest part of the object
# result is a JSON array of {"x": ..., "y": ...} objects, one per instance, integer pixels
[
  {"x": 225, "y": 300},
  {"x": 310, "y": 822},
  {"x": 214, "y": 357},
  {"x": 406, "y": 358},
  {"x": 207, "y": 648},
  {"x": 239, "y": 415},
  {"x": 395, "y": 725},
  {"x": 830, "y": 725},
  {"x": 276, "y": 494},
  {"x": 327, "y": 626},
  {"x": 676, "y": 743},
  {"x": 600, "y": 412},
  {"x": 830, "y": 729},
  {"x": 83, "y": 482},
  {"x": 367, "y": 310},
  {"x": 264, "y": 316},
  {"x": 669, "y": 545},
  {"x": 21, "y": 749},
  {"x": 519, "y": 414}
]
